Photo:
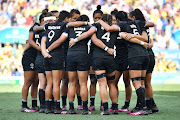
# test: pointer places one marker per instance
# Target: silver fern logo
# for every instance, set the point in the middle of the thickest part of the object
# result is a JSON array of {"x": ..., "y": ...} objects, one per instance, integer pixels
[{"x": 32, "y": 65}]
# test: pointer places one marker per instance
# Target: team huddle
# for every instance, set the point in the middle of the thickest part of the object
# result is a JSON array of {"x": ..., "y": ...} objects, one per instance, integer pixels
[{"x": 64, "y": 48}]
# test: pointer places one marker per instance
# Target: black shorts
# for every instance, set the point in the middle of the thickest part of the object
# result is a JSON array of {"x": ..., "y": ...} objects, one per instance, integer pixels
[
  {"x": 121, "y": 65},
  {"x": 56, "y": 62},
  {"x": 39, "y": 64},
  {"x": 28, "y": 63},
  {"x": 151, "y": 64},
  {"x": 138, "y": 63},
  {"x": 104, "y": 64},
  {"x": 91, "y": 58},
  {"x": 77, "y": 63}
]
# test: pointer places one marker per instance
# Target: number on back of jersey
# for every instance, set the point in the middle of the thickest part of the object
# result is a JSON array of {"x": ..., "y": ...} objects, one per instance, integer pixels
[
  {"x": 37, "y": 42},
  {"x": 119, "y": 36},
  {"x": 106, "y": 36},
  {"x": 135, "y": 31},
  {"x": 78, "y": 33},
  {"x": 51, "y": 35}
]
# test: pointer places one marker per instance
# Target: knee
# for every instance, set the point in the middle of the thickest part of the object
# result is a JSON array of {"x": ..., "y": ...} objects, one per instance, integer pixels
[{"x": 65, "y": 82}]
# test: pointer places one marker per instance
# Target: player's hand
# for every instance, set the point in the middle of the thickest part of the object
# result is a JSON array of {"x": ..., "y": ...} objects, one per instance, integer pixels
[
  {"x": 110, "y": 51},
  {"x": 129, "y": 36},
  {"x": 72, "y": 42},
  {"x": 146, "y": 45},
  {"x": 46, "y": 55}
]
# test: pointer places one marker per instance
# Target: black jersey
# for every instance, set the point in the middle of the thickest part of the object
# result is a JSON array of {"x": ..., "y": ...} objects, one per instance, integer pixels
[
  {"x": 133, "y": 27},
  {"x": 121, "y": 48},
  {"x": 108, "y": 38},
  {"x": 32, "y": 52},
  {"x": 150, "y": 51},
  {"x": 53, "y": 32},
  {"x": 38, "y": 38},
  {"x": 80, "y": 47}
]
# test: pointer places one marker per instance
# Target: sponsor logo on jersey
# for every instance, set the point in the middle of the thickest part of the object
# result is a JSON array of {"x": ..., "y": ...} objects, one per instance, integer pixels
[
  {"x": 37, "y": 36},
  {"x": 54, "y": 27},
  {"x": 79, "y": 28},
  {"x": 133, "y": 26},
  {"x": 32, "y": 65}
]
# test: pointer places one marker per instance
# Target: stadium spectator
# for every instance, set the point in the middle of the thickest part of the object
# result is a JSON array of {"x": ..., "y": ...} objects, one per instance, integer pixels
[{"x": 165, "y": 13}]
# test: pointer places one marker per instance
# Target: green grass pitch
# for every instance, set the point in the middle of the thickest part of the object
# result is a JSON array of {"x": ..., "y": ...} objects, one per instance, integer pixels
[{"x": 167, "y": 98}]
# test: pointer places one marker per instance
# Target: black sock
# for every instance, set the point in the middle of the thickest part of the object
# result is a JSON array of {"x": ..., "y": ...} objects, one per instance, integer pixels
[
  {"x": 49, "y": 104},
  {"x": 24, "y": 103},
  {"x": 105, "y": 105},
  {"x": 101, "y": 103},
  {"x": 52, "y": 100},
  {"x": 114, "y": 106},
  {"x": 127, "y": 102},
  {"x": 85, "y": 105},
  {"x": 79, "y": 99},
  {"x": 152, "y": 101},
  {"x": 57, "y": 104},
  {"x": 92, "y": 98},
  {"x": 64, "y": 100},
  {"x": 71, "y": 105},
  {"x": 140, "y": 97},
  {"x": 148, "y": 102},
  {"x": 34, "y": 102},
  {"x": 42, "y": 97}
]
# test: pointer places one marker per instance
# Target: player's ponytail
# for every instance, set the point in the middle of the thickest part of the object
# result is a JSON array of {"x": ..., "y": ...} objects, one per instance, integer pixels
[
  {"x": 107, "y": 18},
  {"x": 139, "y": 15},
  {"x": 44, "y": 12},
  {"x": 98, "y": 10}
]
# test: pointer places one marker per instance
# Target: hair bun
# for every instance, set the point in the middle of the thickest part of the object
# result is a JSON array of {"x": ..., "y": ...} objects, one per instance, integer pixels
[
  {"x": 45, "y": 11},
  {"x": 99, "y": 7}
]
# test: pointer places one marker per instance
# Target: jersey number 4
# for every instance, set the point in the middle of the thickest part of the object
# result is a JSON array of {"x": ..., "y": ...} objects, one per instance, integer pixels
[{"x": 106, "y": 36}]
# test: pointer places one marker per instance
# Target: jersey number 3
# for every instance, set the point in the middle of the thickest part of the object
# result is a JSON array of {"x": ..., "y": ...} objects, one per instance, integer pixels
[{"x": 106, "y": 36}]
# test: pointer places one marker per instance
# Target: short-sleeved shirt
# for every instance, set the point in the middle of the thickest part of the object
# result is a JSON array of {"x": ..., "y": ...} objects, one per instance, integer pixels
[
  {"x": 133, "y": 27},
  {"x": 150, "y": 51},
  {"x": 108, "y": 38},
  {"x": 80, "y": 47},
  {"x": 32, "y": 52},
  {"x": 53, "y": 32}
]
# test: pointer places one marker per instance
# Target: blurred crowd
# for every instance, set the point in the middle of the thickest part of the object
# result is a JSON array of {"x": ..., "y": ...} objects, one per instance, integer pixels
[
  {"x": 10, "y": 63},
  {"x": 163, "y": 64},
  {"x": 164, "y": 13}
]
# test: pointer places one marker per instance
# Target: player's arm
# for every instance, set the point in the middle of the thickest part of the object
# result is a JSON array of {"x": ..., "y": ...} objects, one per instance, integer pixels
[
  {"x": 101, "y": 45},
  {"x": 149, "y": 24},
  {"x": 127, "y": 36},
  {"x": 87, "y": 34},
  {"x": 43, "y": 48},
  {"x": 150, "y": 44},
  {"x": 108, "y": 27},
  {"x": 38, "y": 28},
  {"x": 58, "y": 42},
  {"x": 31, "y": 41},
  {"x": 77, "y": 24},
  {"x": 142, "y": 37},
  {"x": 27, "y": 47}
]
